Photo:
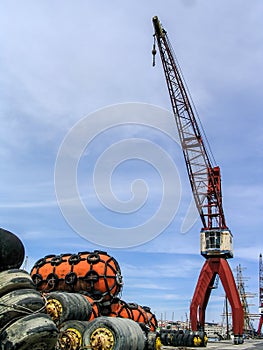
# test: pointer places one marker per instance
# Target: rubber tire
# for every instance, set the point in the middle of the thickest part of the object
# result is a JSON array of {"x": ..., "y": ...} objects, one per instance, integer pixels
[
  {"x": 127, "y": 333},
  {"x": 163, "y": 336},
  {"x": 202, "y": 335},
  {"x": 190, "y": 341},
  {"x": 186, "y": 337},
  {"x": 74, "y": 305},
  {"x": 180, "y": 338},
  {"x": 15, "y": 279},
  {"x": 80, "y": 326},
  {"x": 172, "y": 333},
  {"x": 174, "y": 340},
  {"x": 13, "y": 304},
  {"x": 34, "y": 332},
  {"x": 151, "y": 341}
]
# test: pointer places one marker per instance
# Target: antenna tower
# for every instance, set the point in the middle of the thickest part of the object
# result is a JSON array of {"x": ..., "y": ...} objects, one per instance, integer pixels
[
  {"x": 248, "y": 326},
  {"x": 260, "y": 294}
]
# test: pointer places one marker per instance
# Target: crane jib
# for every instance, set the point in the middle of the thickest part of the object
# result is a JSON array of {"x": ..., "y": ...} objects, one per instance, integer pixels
[{"x": 205, "y": 179}]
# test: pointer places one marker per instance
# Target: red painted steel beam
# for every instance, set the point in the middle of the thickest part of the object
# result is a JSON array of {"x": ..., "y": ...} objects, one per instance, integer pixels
[
  {"x": 260, "y": 325},
  {"x": 211, "y": 268}
]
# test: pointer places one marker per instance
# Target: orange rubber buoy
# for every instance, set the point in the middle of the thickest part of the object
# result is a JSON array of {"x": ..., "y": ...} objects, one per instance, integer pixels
[{"x": 95, "y": 273}]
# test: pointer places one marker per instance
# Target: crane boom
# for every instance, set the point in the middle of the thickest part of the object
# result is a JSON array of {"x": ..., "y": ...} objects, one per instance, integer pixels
[{"x": 205, "y": 180}]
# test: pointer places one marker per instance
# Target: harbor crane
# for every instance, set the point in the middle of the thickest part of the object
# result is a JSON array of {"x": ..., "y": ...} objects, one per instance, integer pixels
[{"x": 205, "y": 180}]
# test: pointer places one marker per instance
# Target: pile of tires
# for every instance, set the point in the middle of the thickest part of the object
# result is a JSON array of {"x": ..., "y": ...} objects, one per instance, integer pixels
[
  {"x": 68, "y": 302},
  {"x": 84, "y": 286},
  {"x": 103, "y": 333},
  {"x": 184, "y": 338},
  {"x": 73, "y": 314},
  {"x": 24, "y": 323}
]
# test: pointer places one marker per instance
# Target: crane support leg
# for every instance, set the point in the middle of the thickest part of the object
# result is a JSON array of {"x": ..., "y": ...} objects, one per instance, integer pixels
[
  {"x": 260, "y": 324},
  {"x": 211, "y": 268},
  {"x": 203, "y": 306}
]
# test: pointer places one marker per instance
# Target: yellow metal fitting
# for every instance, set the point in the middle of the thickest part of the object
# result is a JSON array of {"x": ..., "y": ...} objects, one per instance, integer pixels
[
  {"x": 70, "y": 339},
  {"x": 54, "y": 309},
  {"x": 197, "y": 341},
  {"x": 158, "y": 344},
  {"x": 102, "y": 339}
]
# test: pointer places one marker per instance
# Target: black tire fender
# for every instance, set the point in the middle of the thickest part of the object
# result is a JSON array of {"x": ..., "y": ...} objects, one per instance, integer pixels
[
  {"x": 68, "y": 306},
  {"x": 20, "y": 303},
  {"x": 121, "y": 333},
  {"x": 15, "y": 279},
  {"x": 35, "y": 331}
]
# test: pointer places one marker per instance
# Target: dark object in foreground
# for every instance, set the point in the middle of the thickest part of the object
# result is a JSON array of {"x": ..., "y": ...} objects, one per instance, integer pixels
[{"x": 12, "y": 251}]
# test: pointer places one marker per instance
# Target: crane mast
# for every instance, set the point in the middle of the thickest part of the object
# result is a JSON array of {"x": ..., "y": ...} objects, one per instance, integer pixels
[{"x": 205, "y": 180}]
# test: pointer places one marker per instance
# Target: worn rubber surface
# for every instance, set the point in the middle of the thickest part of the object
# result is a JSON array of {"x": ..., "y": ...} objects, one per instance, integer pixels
[
  {"x": 15, "y": 279},
  {"x": 74, "y": 306},
  {"x": 127, "y": 334},
  {"x": 19, "y": 303},
  {"x": 34, "y": 332}
]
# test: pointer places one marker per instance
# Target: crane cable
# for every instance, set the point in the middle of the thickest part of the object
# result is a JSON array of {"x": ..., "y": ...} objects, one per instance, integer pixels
[
  {"x": 210, "y": 153},
  {"x": 213, "y": 161}
]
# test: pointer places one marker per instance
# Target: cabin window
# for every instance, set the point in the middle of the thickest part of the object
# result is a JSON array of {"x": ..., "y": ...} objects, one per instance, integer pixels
[{"x": 212, "y": 240}]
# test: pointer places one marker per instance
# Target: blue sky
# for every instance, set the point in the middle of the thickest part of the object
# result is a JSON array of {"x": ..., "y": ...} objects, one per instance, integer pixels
[{"x": 64, "y": 61}]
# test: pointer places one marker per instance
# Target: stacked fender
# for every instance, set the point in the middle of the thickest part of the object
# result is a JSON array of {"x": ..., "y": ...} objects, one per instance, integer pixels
[
  {"x": 117, "y": 308},
  {"x": 114, "y": 333},
  {"x": 95, "y": 273},
  {"x": 23, "y": 321},
  {"x": 133, "y": 311},
  {"x": 151, "y": 318},
  {"x": 106, "y": 332},
  {"x": 68, "y": 301},
  {"x": 64, "y": 306},
  {"x": 183, "y": 338}
]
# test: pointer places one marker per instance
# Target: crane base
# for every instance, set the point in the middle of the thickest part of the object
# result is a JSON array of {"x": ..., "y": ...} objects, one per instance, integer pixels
[{"x": 211, "y": 268}]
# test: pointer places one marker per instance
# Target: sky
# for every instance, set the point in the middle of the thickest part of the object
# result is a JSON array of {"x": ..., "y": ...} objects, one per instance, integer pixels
[{"x": 89, "y": 150}]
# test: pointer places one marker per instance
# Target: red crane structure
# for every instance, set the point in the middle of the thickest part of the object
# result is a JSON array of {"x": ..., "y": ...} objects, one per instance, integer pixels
[
  {"x": 205, "y": 180},
  {"x": 260, "y": 294}
]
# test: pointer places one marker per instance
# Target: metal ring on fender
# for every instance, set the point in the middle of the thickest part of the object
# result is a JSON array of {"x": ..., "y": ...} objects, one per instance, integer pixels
[
  {"x": 56, "y": 260},
  {"x": 37, "y": 279},
  {"x": 41, "y": 262},
  {"x": 146, "y": 308},
  {"x": 119, "y": 279},
  {"x": 100, "y": 252},
  {"x": 52, "y": 280},
  {"x": 91, "y": 276},
  {"x": 93, "y": 258},
  {"x": 133, "y": 306},
  {"x": 74, "y": 259},
  {"x": 71, "y": 278}
]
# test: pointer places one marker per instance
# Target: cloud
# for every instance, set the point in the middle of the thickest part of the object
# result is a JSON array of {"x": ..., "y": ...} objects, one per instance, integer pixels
[
  {"x": 29, "y": 205},
  {"x": 161, "y": 271}
]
